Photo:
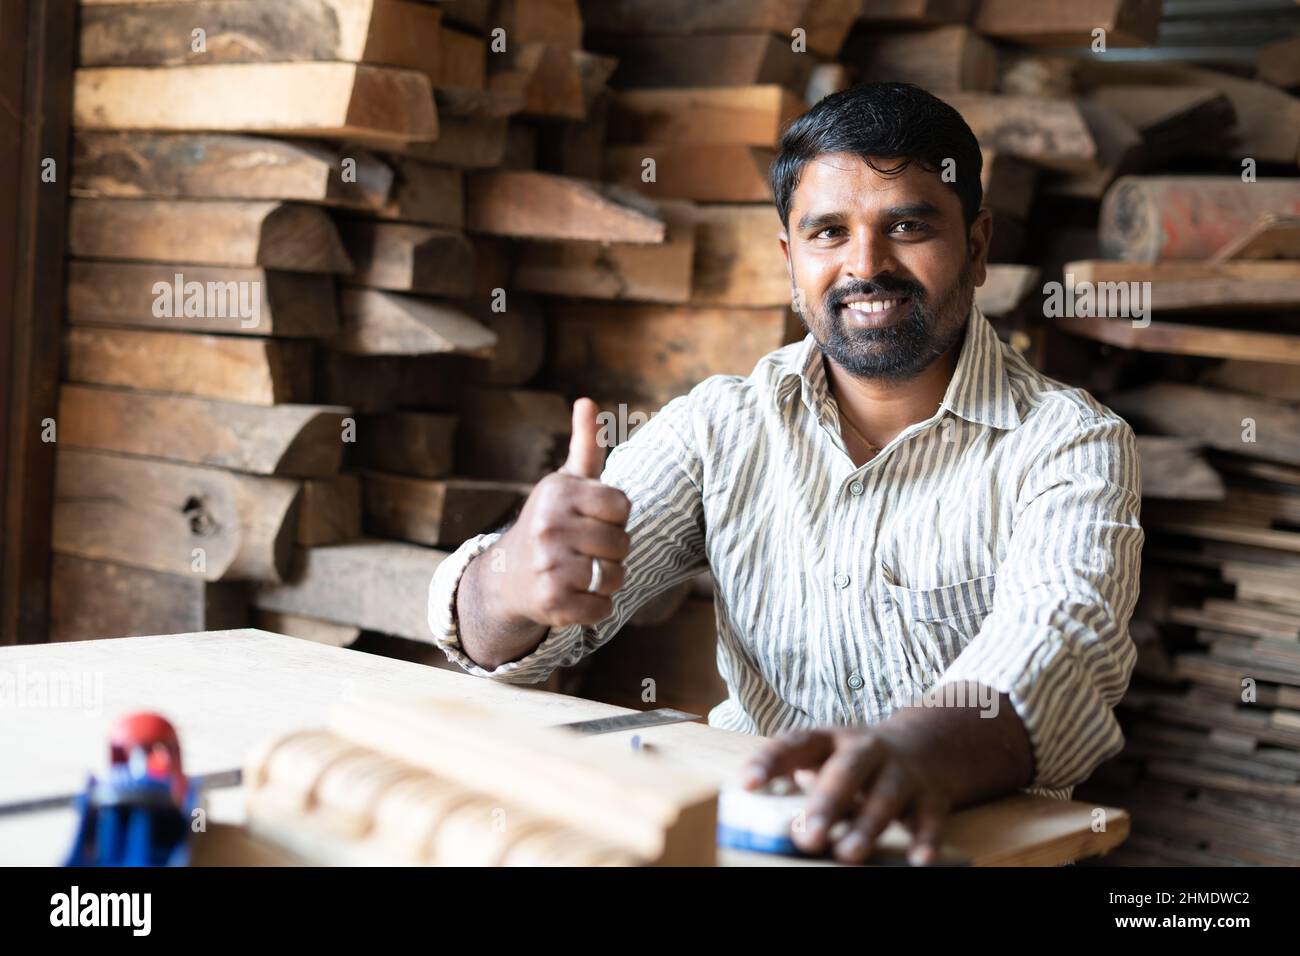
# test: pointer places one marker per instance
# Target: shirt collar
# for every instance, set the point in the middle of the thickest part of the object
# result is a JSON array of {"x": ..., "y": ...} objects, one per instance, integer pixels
[{"x": 979, "y": 390}]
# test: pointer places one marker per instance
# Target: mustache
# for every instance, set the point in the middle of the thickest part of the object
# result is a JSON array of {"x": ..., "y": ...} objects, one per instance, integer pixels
[{"x": 881, "y": 285}]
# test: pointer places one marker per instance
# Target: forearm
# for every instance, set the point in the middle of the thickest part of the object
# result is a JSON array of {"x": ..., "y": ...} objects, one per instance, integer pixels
[
  {"x": 983, "y": 756},
  {"x": 489, "y": 635}
]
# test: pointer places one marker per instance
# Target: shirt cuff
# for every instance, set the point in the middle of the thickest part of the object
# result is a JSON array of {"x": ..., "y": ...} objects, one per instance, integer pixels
[{"x": 533, "y": 667}]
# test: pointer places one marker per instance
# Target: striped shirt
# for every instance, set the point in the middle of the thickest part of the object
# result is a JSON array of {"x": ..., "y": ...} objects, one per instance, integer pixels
[{"x": 997, "y": 541}]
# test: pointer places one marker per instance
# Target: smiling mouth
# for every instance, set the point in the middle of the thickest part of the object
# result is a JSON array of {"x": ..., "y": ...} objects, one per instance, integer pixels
[{"x": 875, "y": 313}]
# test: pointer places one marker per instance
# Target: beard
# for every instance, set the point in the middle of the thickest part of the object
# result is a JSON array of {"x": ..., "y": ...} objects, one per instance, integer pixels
[{"x": 900, "y": 351}]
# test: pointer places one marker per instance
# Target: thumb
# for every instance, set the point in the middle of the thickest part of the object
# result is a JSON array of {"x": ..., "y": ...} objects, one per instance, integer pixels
[{"x": 586, "y": 457}]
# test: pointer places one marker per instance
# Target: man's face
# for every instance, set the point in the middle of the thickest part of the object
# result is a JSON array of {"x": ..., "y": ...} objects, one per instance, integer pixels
[{"x": 883, "y": 266}]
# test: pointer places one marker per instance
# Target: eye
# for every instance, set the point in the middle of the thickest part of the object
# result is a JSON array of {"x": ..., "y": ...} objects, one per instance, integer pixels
[
  {"x": 829, "y": 229},
  {"x": 914, "y": 226}
]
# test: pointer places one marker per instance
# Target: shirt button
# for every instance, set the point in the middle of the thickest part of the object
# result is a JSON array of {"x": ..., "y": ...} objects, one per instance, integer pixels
[
  {"x": 856, "y": 681},
  {"x": 841, "y": 580},
  {"x": 856, "y": 488}
]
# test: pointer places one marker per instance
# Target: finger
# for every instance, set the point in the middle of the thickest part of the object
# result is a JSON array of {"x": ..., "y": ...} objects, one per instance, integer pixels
[
  {"x": 889, "y": 796},
  {"x": 927, "y": 821},
  {"x": 843, "y": 776},
  {"x": 602, "y": 502},
  {"x": 586, "y": 457},
  {"x": 781, "y": 757},
  {"x": 578, "y": 575},
  {"x": 590, "y": 538},
  {"x": 565, "y": 607}
]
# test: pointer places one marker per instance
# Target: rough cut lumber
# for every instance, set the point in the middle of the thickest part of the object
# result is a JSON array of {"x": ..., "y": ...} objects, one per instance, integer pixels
[
  {"x": 1119, "y": 151},
  {"x": 425, "y": 194},
  {"x": 944, "y": 59},
  {"x": 1047, "y": 132},
  {"x": 536, "y": 205},
  {"x": 373, "y": 104},
  {"x": 241, "y": 31},
  {"x": 381, "y": 382},
  {"x": 644, "y": 355},
  {"x": 268, "y": 234},
  {"x": 1279, "y": 62},
  {"x": 638, "y": 271},
  {"x": 925, "y": 13},
  {"x": 1005, "y": 288},
  {"x": 96, "y": 600},
  {"x": 408, "y": 443},
  {"x": 1070, "y": 22},
  {"x": 279, "y": 440},
  {"x": 406, "y": 258},
  {"x": 224, "y": 166},
  {"x": 554, "y": 83},
  {"x": 1172, "y": 339},
  {"x": 307, "y": 628},
  {"x": 384, "y": 323},
  {"x": 1174, "y": 468},
  {"x": 461, "y": 59},
  {"x": 1157, "y": 218},
  {"x": 248, "y": 370},
  {"x": 733, "y": 59},
  {"x": 442, "y": 512},
  {"x": 737, "y": 258},
  {"x": 1173, "y": 121},
  {"x": 1216, "y": 418},
  {"x": 511, "y": 434},
  {"x": 553, "y": 22},
  {"x": 1272, "y": 237},
  {"x": 752, "y": 115},
  {"x": 179, "y": 519},
  {"x": 374, "y": 585},
  {"x": 465, "y": 143},
  {"x": 287, "y": 304},
  {"x": 329, "y": 511},
  {"x": 719, "y": 172},
  {"x": 1009, "y": 184},
  {"x": 1258, "y": 378},
  {"x": 521, "y": 339},
  {"x": 1242, "y": 284}
]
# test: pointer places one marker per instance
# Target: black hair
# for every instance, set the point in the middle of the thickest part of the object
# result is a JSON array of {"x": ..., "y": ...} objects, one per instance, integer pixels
[{"x": 890, "y": 120}]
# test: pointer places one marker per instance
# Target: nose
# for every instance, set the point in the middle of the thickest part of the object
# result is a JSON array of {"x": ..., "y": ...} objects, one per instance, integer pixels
[{"x": 868, "y": 255}]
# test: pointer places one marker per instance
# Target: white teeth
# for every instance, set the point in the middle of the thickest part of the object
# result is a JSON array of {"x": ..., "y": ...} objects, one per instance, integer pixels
[{"x": 879, "y": 306}]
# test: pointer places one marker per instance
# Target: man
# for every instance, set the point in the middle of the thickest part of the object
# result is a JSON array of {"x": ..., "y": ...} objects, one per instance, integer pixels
[{"x": 898, "y": 503}]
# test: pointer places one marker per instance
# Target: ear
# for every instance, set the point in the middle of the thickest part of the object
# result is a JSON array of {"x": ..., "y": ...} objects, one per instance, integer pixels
[
  {"x": 784, "y": 239},
  {"x": 981, "y": 234}
]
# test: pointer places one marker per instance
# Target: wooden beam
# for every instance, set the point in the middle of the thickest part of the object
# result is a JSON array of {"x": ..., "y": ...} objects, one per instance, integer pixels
[
  {"x": 202, "y": 298},
  {"x": 1005, "y": 288},
  {"x": 556, "y": 23},
  {"x": 409, "y": 443},
  {"x": 425, "y": 194},
  {"x": 534, "y": 205},
  {"x": 279, "y": 440},
  {"x": 917, "y": 13},
  {"x": 1197, "y": 285},
  {"x": 179, "y": 519},
  {"x": 1125, "y": 23},
  {"x": 1009, "y": 184},
  {"x": 248, "y": 370},
  {"x": 1051, "y": 133},
  {"x": 441, "y": 512},
  {"x": 1158, "y": 218},
  {"x": 373, "y": 104},
  {"x": 384, "y": 323},
  {"x": 268, "y": 234},
  {"x": 737, "y": 257},
  {"x": 375, "y": 585},
  {"x": 225, "y": 166},
  {"x": 1272, "y": 237},
  {"x": 511, "y": 434},
  {"x": 380, "y": 383},
  {"x": 753, "y": 115},
  {"x": 554, "y": 83},
  {"x": 948, "y": 58},
  {"x": 731, "y": 59},
  {"x": 97, "y": 600},
  {"x": 1173, "y": 121},
  {"x": 1270, "y": 379},
  {"x": 1174, "y": 468},
  {"x": 1279, "y": 62},
  {"x": 465, "y": 143},
  {"x": 462, "y": 60},
  {"x": 521, "y": 341},
  {"x": 329, "y": 511},
  {"x": 719, "y": 172},
  {"x": 1173, "y": 339},
  {"x": 406, "y": 258}
]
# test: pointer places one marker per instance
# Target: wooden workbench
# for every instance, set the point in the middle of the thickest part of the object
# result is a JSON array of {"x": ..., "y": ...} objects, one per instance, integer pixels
[{"x": 226, "y": 691}]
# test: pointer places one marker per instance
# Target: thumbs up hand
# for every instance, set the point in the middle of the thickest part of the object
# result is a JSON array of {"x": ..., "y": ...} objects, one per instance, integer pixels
[{"x": 564, "y": 556}]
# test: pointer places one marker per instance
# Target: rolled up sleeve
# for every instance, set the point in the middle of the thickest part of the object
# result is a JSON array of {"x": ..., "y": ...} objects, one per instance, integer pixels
[
  {"x": 659, "y": 471},
  {"x": 1057, "y": 641}
]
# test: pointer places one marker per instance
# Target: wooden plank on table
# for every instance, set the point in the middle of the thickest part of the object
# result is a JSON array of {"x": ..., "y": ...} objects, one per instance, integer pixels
[
  {"x": 179, "y": 519},
  {"x": 753, "y": 115},
  {"x": 269, "y": 234},
  {"x": 1272, "y": 237},
  {"x": 729, "y": 59},
  {"x": 1070, "y": 22},
  {"x": 437, "y": 512},
  {"x": 644, "y": 355},
  {"x": 277, "y": 440},
  {"x": 385, "y": 323},
  {"x": 1051, "y": 133},
  {"x": 1171, "y": 338},
  {"x": 224, "y": 166},
  {"x": 193, "y": 298},
  {"x": 329, "y": 511},
  {"x": 1005, "y": 288},
  {"x": 240, "y": 31},
  {"x": 1161, "y": 218},
  {"x": 717, "y": 172},
  {"x": 425, "y": 194},
  {"x": 1174, "y": 468},
  {"x": 95, "y": 600},
  {"x": 374, "y": 104},
  {"x": 1216, "y": 418},
  {"x": 374, "y": 585},
  {"x": 535, "y": 205},
  {"x": 947, "y": 58},
  {"x": 511, "y": 434},
  {"x": 737, "y": 257},
  {"x": 1240, "y": 284},
  {"x": 408, "y": 443},
  {"x": 249, "y": 370},
  {"x": 307, "y": 628},
  {"x": 645, "y": 272},
  {"x": 406, "y": 258}
]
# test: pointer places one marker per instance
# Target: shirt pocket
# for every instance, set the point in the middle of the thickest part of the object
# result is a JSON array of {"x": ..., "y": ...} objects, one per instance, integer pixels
[{"x": 933, "y": 625}]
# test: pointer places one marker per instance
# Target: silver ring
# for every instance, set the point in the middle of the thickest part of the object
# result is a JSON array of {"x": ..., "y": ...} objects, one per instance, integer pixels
[{"x": 597, "y": 577}]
